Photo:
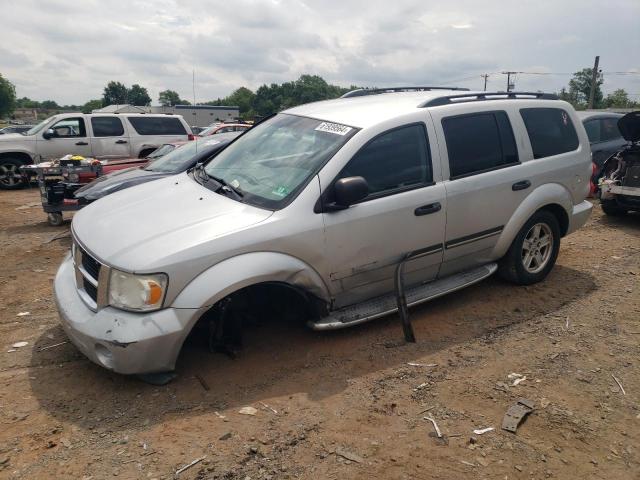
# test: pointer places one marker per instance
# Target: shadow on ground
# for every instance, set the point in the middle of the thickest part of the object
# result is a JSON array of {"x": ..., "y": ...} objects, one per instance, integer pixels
[{"x": 282, "y": 359}]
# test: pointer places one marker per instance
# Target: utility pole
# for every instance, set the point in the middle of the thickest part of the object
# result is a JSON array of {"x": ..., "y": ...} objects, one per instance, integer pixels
[
  {"x": 508, "y": 74},
  {"x": 485, "y": 76},
  {"x": 594, "y": 79}
]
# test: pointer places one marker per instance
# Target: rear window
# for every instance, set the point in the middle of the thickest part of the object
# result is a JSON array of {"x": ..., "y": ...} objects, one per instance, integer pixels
[
  {"x": 609, "y": 129},
  {"x": 157, "y": 125},
  {"x": 479, "y": 142},
  {"x": 550, "y": 130},
  {"x": 107, "y": 127}
]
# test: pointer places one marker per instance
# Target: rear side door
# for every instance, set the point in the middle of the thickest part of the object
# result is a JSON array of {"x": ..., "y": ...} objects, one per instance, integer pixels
[
  {"x": 404, "y": 212},
  {"x": 69, "y": 137},
  {"x": 483, "y": 180},
  {"x": 110, "y": 138}
]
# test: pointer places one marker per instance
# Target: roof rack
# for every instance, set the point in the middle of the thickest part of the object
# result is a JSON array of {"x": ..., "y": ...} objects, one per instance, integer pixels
[
  {"x": 478, "y": 97},
  {"x": 360, "y": 92}
]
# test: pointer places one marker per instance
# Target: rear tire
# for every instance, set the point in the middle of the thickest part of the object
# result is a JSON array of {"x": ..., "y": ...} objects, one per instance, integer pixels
[
  {"x": 55, "y": 219},
  {"x": 10, "y": 176},
  {"x": 611, "y": 207},
  {"x": 533, "y": 252}
]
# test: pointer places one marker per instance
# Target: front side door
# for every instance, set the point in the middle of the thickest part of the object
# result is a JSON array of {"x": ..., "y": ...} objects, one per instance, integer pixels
[
  {"x": 69, "y": 137},
  {"x": 109, "y": 139},
  {"x": 485, "y": 184},
  {"x": 404, "y": 212}
]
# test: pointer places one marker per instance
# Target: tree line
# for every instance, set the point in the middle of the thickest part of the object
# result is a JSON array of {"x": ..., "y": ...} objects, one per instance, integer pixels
[{"x": 275, "y": 97}]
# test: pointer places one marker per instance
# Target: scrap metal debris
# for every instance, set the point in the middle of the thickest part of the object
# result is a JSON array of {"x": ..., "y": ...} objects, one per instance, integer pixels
[
  {"x": 248, "y": 411},
  {"x": 186, "y": 467},
  {"x": 619, "y": 384},
  {"x": 53, "y": 346},
  {"x": 414, "y": 364},
  {"x": 348, "y": 455},
  {"x": 268, "y": 407},
  {"x": 481, "y": 431},
  {"x": 516, "y": 414},
  {"x": 23, "y": 314},
  {"x": 517, "y": 378},
  {"x": 19, "y": 344}
]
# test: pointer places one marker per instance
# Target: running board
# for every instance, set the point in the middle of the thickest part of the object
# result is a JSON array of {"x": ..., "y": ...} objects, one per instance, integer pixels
[{"x": 381, "y": 306}]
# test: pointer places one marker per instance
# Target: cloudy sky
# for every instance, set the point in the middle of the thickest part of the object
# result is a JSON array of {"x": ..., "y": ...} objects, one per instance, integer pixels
[{"x": 67, "y": 51}]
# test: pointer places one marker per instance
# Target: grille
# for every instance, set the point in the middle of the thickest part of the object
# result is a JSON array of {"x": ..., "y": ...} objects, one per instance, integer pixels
[
  {"x": 90, "y": 265},
  {"x": 90, "y": 289}
]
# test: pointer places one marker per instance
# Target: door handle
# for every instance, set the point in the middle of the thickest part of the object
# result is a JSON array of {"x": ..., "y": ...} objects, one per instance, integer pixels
[
  {"x": 427, "y": 209},
  {"x": 121, "y": 141},
  {"x": 82, "y": 143},
  {"x": 523, "y": 185}
]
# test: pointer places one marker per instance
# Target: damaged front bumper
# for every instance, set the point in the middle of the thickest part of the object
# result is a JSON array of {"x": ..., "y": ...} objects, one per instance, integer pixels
[{"x": 125, "y": 342}]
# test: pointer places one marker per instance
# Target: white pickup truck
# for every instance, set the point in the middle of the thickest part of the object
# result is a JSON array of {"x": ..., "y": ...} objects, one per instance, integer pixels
[{"x": 98, "y": 135}]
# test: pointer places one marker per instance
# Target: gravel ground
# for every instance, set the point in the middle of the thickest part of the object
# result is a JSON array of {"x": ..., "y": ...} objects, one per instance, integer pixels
[{"x": 346, "y": 404}]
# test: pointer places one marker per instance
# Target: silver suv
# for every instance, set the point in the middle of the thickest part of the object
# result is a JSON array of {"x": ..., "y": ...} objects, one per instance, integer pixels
[{"x": 322, "y": 204}]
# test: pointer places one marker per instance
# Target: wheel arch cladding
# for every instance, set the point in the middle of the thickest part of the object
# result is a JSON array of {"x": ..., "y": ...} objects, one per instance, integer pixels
[
  {"x": 551, "y": 197},
  {"x": 248, "y": 269}
]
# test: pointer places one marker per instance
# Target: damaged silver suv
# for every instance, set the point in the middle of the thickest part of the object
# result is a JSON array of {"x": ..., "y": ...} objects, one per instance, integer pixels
[{"x": 321, "y": 204}]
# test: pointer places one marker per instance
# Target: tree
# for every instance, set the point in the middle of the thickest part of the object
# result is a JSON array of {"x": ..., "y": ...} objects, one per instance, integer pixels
[
  {"x": 115, "y": 93},
  {"x": 619, "y": 99},
  {"x": 169, "y": 98},
  {"x": 49, "y": 105},
  {"x": 138, "y": 95},
  {"x": 580, "y": 86},
  {"x": 92, "y": 105},
  {"x": 7, "y": 97}
]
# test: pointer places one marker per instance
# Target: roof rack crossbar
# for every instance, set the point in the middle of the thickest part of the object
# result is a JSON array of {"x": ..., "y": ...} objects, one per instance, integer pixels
[
  {"x": 478, "y": 97},
  {"x": 360, "y": 92}
]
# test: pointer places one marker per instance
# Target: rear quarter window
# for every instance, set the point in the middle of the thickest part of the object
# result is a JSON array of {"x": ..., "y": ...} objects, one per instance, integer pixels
[
  {"x": 550, "y": 130},
  {"x": 157, "y": 125}
]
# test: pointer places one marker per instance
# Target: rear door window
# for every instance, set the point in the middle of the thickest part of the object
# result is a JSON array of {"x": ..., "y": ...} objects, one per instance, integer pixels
[
  {"x": 609, "y": 129},
  {"x": 394, "y": 160},
  {"x": 593, "y": 130},
  {"x": 157, "y": 125},
  {"x": 550, "y": 130},
  {"x": 479, "y": 142},
  {"x": 107, "y": 127}
]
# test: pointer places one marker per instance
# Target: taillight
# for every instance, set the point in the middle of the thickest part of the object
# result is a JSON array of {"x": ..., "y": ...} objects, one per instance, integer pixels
[{"x": 191, "y": 136}]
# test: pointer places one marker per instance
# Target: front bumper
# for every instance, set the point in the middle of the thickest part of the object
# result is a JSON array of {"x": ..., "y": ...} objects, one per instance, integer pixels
[
  {"x": 125, "y": 342},
  {"x": 579, "y": 215}
]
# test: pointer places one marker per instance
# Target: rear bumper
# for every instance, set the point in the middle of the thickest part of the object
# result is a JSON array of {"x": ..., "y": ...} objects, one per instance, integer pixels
[
  {"x": 579, "y": 215},
  {"x": 124, "y": 342}
]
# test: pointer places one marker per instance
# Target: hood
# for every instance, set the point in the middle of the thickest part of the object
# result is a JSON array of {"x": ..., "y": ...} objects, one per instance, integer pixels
[
  {"x": 629, "y": 126},
  {"x": 116, "y": 181},
  {"x": 15, "y": 138},
  {"x": 159, "y": 224}
]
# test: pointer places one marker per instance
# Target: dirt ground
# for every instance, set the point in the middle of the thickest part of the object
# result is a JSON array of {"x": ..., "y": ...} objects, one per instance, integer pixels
[{"x": 346, "y": 404}]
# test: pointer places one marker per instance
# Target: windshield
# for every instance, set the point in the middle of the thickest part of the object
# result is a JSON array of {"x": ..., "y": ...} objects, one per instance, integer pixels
[
  {"x": 161, "y": 151},
  {"x": 273, "y": 161},
  {"x": 38, "y": 127},
  {"x": 208, "y": 130},
  {"x": 181, "y": 157}
]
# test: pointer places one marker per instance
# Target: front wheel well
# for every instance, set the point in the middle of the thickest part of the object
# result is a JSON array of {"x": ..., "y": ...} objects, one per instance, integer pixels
[
  {"x": 561, "y": 215},
  {"x": 21, "y": 156}
]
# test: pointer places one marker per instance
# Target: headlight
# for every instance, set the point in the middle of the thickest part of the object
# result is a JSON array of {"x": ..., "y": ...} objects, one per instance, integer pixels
[{"x": 138, "y": 293}]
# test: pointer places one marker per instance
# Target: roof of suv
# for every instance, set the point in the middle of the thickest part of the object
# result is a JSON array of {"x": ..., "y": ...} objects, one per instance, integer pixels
[{"x": 367, "y": 110}]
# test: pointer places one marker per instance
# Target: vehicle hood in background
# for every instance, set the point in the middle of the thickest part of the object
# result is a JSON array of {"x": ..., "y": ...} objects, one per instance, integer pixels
[
  {"x": 629, "y": 126},
  {"x": 160, "y": 223},
  {"x": 116, "y": 181}
]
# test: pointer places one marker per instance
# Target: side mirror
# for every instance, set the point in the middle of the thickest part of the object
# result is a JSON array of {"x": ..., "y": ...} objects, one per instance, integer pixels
[
  {"x": 49, "y": 133},
  {"x": 348, "y": 191}
]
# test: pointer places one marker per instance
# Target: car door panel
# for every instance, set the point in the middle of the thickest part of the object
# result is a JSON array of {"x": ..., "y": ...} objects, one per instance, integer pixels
[
  {"x": 73, "y": 139},
  {"x": 110, "y": 138}
]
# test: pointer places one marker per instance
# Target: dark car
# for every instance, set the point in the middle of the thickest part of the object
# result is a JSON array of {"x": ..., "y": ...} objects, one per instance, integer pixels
[
  {"x": 179, "y": 160},
  {"x": 604, "y": 136},
  {"x": 15, "y": 129}
]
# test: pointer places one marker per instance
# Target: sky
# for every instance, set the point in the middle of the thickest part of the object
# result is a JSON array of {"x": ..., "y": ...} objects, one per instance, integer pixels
[{"x": 67, "y": 51}]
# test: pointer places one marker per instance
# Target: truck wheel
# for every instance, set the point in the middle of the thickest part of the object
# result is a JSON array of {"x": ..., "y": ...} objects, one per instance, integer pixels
[
  {"x": 10, "y": 176},
  {"x": 533, "y": 252},
  {"x": 55, "y": 219},
  {"x": 611, "y": 207}
]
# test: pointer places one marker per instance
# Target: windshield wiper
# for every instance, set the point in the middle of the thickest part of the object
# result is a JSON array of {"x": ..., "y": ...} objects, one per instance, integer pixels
[{"x": 223, "y": 186}]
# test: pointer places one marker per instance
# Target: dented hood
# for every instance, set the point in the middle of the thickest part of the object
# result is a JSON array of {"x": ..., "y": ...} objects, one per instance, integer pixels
[
  {"x": 629, "y": 126},
  {"x": 148, "y": 226}
]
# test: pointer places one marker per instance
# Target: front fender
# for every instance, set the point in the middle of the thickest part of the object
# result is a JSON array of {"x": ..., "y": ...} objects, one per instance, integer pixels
[
  {"x": 547, "y": 194},
  {"x": 248, "y": 269}
]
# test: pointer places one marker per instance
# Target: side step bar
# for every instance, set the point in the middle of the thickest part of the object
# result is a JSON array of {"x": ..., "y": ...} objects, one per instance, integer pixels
[{"x": 387, "y": 304}]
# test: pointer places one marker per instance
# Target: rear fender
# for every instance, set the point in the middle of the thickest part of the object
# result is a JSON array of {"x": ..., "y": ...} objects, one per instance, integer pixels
[
  {"x": 547, "y": 194},
  {"x": 249, "y": 269}
]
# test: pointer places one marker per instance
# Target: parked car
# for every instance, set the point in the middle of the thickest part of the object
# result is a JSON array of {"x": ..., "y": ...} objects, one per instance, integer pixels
[
  {"x": 177, "y": 161},
  {"x": 620, "y": 182},
  {"x": 15, "y": 129},
  {"x": 218, "y": 128},
  {"x": 99, "y": 135},
  {"x": 322, "y": 206},
  {"x": 605, "y": 139}
]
